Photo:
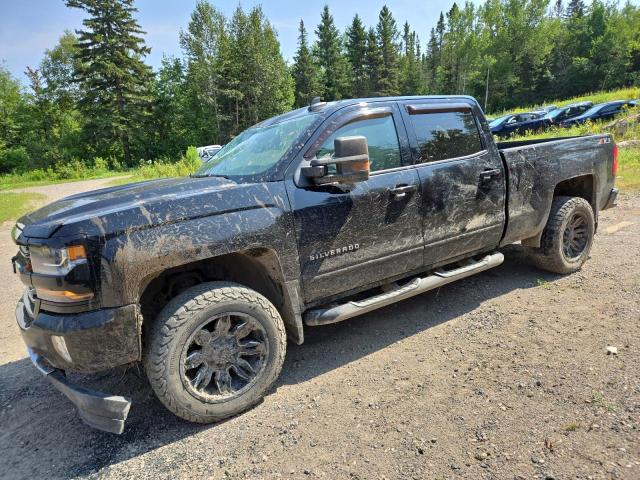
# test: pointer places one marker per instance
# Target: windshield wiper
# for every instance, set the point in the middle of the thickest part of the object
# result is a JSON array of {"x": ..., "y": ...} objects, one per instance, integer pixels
[{"x": 209, "y": 175}]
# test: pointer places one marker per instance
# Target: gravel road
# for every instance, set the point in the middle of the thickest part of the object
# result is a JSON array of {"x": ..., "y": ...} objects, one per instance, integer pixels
[{"x": 504, "y": 375}]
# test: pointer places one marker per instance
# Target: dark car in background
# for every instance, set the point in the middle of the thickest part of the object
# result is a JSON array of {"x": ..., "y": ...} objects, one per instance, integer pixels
[
  {"x": 519, "y": 123},
  {"x": 568, "y": 111},
  {"x": 601, "y": 111}
]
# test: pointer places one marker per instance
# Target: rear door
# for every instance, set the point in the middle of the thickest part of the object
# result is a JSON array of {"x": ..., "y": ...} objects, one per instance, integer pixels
[
  {"x": 350, "y": 237},
  {"x": 461, "y": 176}
]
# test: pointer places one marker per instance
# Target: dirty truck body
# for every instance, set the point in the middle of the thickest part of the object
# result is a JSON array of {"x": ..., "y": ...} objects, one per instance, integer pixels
[{"x": 309, "y": 218}]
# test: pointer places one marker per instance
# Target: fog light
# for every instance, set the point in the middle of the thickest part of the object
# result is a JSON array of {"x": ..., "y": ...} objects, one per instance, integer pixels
[{"x": 60, "y": 346}]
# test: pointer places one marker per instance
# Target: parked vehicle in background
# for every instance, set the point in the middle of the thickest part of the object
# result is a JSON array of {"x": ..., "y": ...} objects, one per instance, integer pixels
[
  {"x": 519, "y": 123},
  {"x": 601, "y": 111},
  {"x": 568, "y": 111},
  {"x": 549, "y": 108},
  {"x": 306, "y": 219},
  {"x": 208, "y": 152}
]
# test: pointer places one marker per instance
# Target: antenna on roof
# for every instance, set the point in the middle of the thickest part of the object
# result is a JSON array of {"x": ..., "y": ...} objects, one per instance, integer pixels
[{"x": 316, "y": 104}]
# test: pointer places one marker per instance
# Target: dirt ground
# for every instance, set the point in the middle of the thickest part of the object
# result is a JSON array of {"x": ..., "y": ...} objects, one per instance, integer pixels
[{"x": 504, "y": 375}]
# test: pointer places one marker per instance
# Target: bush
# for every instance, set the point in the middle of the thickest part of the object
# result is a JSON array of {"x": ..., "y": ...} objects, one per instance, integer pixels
[
  {"x": 14, "y": 159},
  {"x": 100, "y": 165},
  {"x": 71, "y": 170}
]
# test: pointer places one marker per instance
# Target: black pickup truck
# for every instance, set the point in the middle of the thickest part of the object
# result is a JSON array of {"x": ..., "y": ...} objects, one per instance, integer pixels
[{"x": 305, "y": 219}]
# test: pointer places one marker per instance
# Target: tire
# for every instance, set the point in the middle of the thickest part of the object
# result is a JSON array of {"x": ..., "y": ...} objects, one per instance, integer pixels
[
  {"x": 555, "y": 255},
  {"x": 190, "y": 331}
]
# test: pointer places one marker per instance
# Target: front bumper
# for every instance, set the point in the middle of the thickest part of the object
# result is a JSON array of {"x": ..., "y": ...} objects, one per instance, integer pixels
[
  {"x": 611, "y": 201},
  {"x": 94, "y": 341},
  {"x": 98, "y": 410},
  {"x": 82, "y": 342}
]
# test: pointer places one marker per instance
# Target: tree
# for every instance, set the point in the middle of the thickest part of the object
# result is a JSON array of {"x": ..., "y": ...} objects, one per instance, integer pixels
[
  {"x": 258, "y": 67},
  {"x": 356, "y": 46},
  {"x": 305, "y": 71},
  {"x": 58, "y": 68},
  {"x": 373, "y": 59},
  {"x": 410, "y": 66},
  {"x": 388, "y": 40},
  {"x": 328, "y": 54},
  {"x": 575, "y": 8},
  {"x": 236, "y": 75},
  {"x": 169, "y": 132},
  {"x": 12, "y": 104},
  {"x": 113, "y": 77}
]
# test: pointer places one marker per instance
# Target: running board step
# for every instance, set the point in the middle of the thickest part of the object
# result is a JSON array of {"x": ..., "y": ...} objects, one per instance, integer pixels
[{"x": 324, "y": 316}]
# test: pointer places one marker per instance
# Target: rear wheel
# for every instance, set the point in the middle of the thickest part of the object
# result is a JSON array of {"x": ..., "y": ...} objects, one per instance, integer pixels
[
  {"x": 567, "y": 238},
  {"x": 214, "y": 351}
]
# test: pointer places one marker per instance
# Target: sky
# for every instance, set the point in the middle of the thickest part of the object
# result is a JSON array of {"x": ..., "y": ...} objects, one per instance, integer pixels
[{"x": 29, "y": 27}]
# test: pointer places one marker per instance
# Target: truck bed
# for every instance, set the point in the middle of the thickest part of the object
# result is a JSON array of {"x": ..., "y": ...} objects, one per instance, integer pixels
[{"x": 534, "y": 168}]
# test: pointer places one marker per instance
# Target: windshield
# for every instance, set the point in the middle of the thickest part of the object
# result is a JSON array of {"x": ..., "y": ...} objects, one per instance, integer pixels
[
  {"x": 592, "y": 110},
  {"x": 498, "y": 121},
  {"x": 257, "y": 149},
  {"x": 553, "y": 114}
]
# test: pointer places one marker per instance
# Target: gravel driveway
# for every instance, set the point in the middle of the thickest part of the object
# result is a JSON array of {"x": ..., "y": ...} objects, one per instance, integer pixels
[{"x": 504, "y": 375}]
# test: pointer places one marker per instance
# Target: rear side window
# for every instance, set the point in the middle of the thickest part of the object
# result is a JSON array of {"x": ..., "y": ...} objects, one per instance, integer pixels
[
  {"x": 382, "y": 139},
  {"x": 444, "y": 135}
]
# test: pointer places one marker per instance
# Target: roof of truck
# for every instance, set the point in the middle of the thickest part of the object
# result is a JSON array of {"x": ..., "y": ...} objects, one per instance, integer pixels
[
  {"x": 353, "y": 101},
  {"x": 327, "y": 108}
]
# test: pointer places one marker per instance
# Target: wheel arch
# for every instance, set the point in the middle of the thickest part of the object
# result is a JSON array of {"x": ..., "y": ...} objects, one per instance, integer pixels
[
  {"x": 583, "y": 186},
  {"x": 258, "y": 268}
]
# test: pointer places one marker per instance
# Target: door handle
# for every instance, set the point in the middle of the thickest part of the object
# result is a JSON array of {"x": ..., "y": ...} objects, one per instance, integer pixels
[
  {"x": 487, "y": 175},
  {"x": 400, "y": 191}
]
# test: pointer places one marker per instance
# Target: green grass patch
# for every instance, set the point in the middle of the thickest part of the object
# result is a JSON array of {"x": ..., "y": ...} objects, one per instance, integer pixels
[
  {"x": 14, "y": 205},
  {"x": 628, "y": 177}
]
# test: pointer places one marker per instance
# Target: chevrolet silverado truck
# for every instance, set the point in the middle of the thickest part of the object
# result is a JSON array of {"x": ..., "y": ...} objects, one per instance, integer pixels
[{"x": 308, "y": 218}]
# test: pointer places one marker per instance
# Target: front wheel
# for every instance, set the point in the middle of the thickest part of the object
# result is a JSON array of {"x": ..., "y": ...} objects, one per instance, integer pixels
[
  {"x": 567, "y": 238},
  {"x": 214, "y": 351}
]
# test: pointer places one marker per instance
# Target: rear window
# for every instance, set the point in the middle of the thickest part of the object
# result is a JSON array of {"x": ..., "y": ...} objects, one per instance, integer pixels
[{"x": 444, "y": 135}]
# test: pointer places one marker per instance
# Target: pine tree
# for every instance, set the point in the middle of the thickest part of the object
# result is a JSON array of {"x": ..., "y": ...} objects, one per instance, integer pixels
[
  {"x": 356, "y": 46},
  {"x": 304, "y": 71},
  {"x": 440, "y": 29},
  {"x": 113, "y": 76},
  {"x": 575, "y": 8},
  {"x": 328, "y": 52},
  {"x": 373, "y": 62},
  {"x": 388, "y": 40},
  {"x": 410, "y": 68}
]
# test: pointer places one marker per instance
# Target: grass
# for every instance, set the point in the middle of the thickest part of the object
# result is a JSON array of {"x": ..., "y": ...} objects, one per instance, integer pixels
[
  {"x": 596, "y": 97},
  {"x": 14, "y": 205},
  {"x": 159, "y": 169},
  {"x": 572, "y": 427},
  {"x": 628, "y": 177},
  {"x": 541, "y": 282},
  {"x": 598, "y": 400},
  {"x": 11, "y": 181}
]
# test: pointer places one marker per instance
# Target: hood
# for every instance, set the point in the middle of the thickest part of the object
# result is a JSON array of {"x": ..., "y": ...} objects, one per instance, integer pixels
[{"x": 139, "y": 205}]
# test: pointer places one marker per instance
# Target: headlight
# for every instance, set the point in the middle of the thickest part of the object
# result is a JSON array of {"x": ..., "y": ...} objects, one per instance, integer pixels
[{"x": 56, "y": 261}]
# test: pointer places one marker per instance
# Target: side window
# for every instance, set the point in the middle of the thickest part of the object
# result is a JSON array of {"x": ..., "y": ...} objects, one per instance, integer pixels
[
  {"x": 445, "y": 135},
  {"x": 382, "y": 139}
]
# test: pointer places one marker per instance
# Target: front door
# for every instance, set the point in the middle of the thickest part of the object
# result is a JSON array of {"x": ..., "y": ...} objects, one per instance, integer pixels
[
  {"x": 351, "y": 237},
  {"x": 462, "y": 179}
]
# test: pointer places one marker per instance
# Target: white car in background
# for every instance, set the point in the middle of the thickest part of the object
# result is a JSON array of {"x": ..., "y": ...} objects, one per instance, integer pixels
[{"x": 208, "y": 152}]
